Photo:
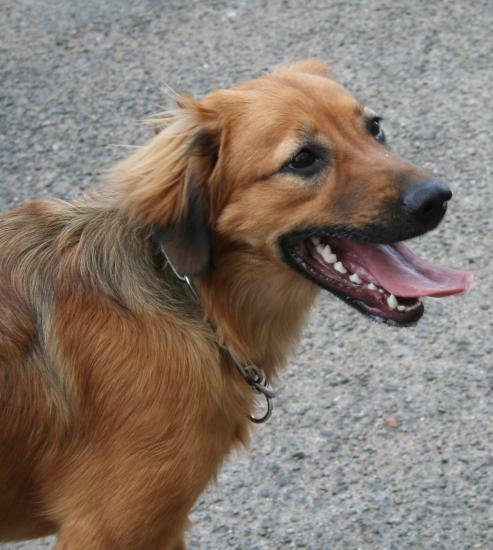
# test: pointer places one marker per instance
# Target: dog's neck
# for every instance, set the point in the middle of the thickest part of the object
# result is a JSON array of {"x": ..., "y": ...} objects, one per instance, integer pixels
[{"x": 257, "y": 305}]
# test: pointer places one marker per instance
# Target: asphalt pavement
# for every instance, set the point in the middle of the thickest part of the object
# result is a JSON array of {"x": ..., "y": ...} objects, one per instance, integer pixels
[{"x": 381, "y": 437}]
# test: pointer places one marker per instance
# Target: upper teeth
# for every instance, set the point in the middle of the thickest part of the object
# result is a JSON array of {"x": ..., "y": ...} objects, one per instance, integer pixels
[
  {"x": 325, "y": 251},
  {"x": 355, "y": 278},
  {"x": 339, "y": 266},
  {"x": 329, "y": 256}
]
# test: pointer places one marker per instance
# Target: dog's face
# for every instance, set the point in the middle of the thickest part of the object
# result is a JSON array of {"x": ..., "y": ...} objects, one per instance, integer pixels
[{"x": 291, "y": 167}]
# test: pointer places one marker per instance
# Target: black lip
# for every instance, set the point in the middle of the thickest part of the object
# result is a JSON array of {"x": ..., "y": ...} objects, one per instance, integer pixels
[
  {"x": 287, "y": 242},
  {"x": 376, "y": 233}
]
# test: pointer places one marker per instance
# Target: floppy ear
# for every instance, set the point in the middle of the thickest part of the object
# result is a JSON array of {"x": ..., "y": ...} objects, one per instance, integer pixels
[
  {"x": 186, "y": 241},
  {"x": 311, "y": 66},
  {"x": 165, "y": 183}
]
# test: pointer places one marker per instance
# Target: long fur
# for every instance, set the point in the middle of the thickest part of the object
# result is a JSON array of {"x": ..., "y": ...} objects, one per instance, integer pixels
[{"x": 117, "y": 403}]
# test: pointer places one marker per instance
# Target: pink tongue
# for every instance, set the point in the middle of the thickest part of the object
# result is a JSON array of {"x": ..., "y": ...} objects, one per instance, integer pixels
[{"x": 403, "y": 273}]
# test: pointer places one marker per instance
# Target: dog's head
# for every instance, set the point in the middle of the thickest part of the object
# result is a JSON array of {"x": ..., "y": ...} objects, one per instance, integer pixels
[{"x": 291, "y": 167}]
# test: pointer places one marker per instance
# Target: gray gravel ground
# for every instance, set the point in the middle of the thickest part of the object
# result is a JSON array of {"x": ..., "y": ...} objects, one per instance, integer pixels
[{"x": 381, "y": 437}]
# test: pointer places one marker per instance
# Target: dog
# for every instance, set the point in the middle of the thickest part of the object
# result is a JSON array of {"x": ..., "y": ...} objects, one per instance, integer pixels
[{"x": 140, "y": 325}]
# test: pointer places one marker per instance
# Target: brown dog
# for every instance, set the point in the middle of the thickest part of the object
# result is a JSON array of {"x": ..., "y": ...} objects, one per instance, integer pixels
[{"x": 120, "y": 391}]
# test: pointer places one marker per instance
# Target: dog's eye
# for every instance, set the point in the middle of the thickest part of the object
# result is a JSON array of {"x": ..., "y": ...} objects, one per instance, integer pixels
[
  {"x": 305, "y": 162},
  {"x": 374, "y": 127},
  {"x": 304, "y": 159}
]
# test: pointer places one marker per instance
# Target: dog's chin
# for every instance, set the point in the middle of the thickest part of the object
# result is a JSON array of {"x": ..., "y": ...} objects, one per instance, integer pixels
[{"x": 383, "y": 281}]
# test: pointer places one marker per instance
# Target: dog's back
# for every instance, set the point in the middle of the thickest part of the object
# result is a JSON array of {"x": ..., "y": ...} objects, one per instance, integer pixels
[
  {"x": 89, "y": 322},
  {"x": 32, "y": 402}
]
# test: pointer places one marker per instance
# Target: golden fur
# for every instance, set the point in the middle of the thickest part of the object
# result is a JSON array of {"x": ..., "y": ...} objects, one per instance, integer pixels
[{"x": 117, "y": 405}]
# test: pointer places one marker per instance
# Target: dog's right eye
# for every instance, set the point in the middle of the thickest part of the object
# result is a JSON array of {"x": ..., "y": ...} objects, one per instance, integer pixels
[
  {"x": 305, "y": 162},
  {"x": 374, "y": 127}
]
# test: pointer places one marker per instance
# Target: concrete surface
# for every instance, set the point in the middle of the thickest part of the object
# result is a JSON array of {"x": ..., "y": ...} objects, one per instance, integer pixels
[{"x": 381, "y": 438}]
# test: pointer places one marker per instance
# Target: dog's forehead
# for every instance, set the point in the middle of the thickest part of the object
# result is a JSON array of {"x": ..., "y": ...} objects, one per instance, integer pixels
[
  {"x": 304, "y": 90},
  {"x": 288, "y": 100}
]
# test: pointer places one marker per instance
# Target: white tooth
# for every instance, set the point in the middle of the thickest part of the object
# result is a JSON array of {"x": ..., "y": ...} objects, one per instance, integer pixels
[
  {"x": 355, "y": 278},
  {"x": 316, "y": 241},
  {"x": 392, "y": 302},
  {"x": 339, "y": 266},
  {"x": 321, "y": 247},
  {"x": 414, "y": 306},
  {"x": 401, "y": 308},
  {"x": 371, "y": 286},
  {"x": 328, "y": 256}
]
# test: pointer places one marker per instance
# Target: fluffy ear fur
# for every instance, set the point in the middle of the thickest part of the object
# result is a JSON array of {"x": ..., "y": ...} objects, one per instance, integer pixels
[
  {"x": 165, "y": 183},
  {"x": 311, "y": 66}
]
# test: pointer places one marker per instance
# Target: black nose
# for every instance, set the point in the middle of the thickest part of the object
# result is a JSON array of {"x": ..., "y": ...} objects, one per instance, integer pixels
[{"x": 426, "y": 201}]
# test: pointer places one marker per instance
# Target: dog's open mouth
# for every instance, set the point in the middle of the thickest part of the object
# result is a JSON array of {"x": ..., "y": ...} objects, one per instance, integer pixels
[{"x": 385, "y": 281}]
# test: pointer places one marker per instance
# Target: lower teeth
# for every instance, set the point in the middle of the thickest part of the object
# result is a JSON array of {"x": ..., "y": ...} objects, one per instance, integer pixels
[
  {"x": 392, "y": 302},
  {"x": 330, "y": 258}
]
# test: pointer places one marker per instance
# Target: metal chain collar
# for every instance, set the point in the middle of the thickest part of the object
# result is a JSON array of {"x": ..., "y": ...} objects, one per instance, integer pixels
[{"x": 253, "y": 375}]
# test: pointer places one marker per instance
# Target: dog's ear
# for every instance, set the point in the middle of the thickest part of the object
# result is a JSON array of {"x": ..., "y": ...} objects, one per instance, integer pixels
[
  {"x": 186, "y": 242},
  {"x": 166, "y": 184},
  {"x": 310, "y": 66}
]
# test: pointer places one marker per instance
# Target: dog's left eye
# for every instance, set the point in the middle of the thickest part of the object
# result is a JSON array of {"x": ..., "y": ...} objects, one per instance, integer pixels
[
  {"x": 305, "y": 162},
  {"x": 374, "y": 127}
]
